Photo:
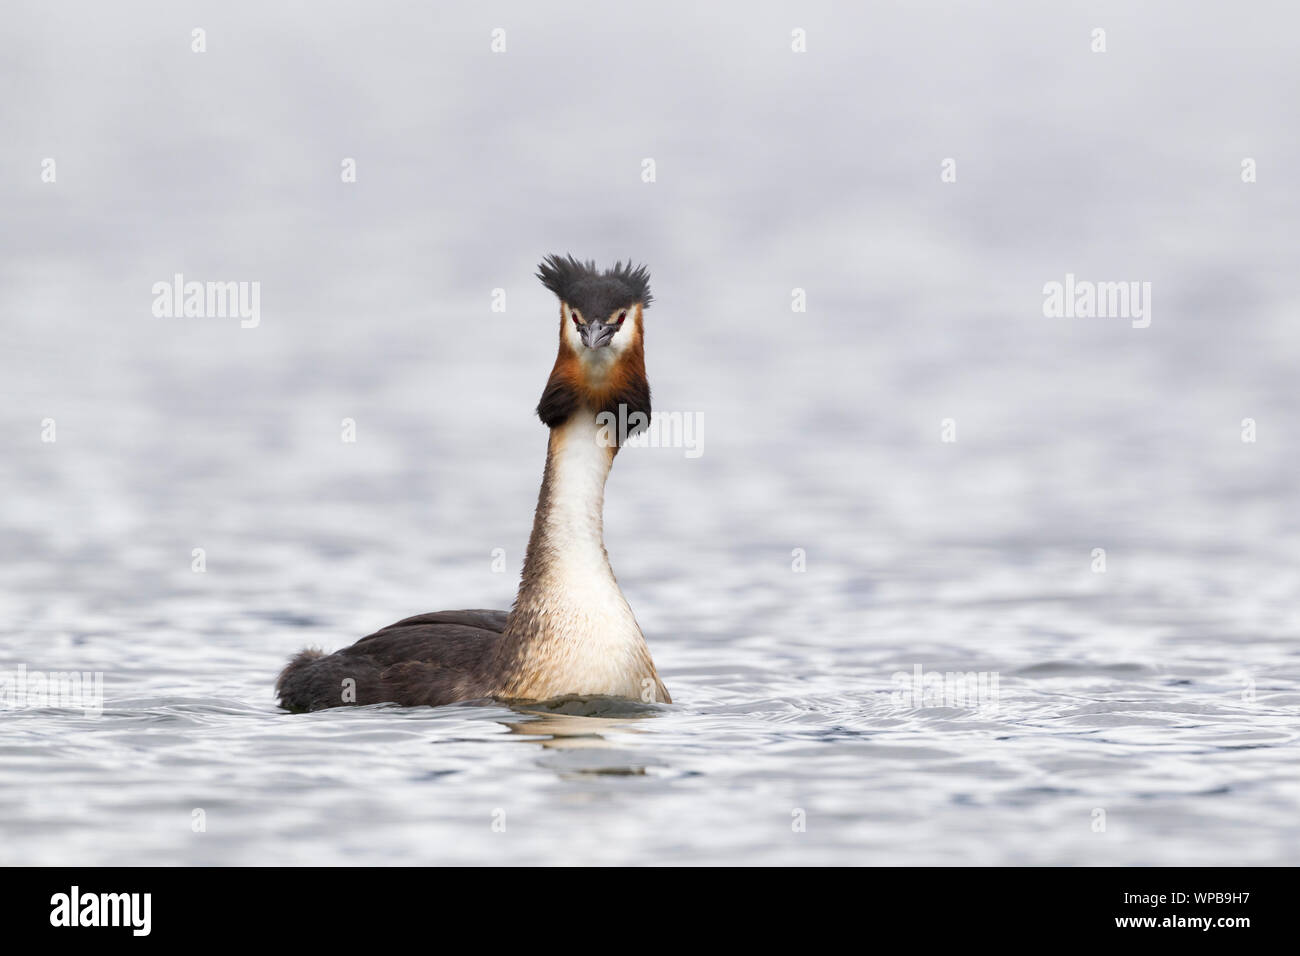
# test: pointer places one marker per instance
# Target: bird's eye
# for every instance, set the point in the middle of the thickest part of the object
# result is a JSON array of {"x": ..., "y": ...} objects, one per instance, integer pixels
[
  {"x": 621, "y": 316},
  {"x": 576, "y": 320}
]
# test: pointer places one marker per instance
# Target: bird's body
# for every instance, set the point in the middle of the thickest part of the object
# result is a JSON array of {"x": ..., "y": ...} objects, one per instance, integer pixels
[
  {"x": 428, "y": 659},
  {"x": 571, "y": 631}
]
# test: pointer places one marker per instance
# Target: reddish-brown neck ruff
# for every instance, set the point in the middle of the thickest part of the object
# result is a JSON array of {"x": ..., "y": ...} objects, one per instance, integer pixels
[{"x": 597, "y": 380}]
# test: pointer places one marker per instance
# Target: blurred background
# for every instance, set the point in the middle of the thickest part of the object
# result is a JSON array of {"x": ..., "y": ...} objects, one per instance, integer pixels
[{"x": 1163, "y": 691}]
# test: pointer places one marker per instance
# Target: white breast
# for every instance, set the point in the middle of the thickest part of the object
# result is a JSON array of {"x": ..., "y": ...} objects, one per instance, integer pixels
[{"x": 583, "y": 636}]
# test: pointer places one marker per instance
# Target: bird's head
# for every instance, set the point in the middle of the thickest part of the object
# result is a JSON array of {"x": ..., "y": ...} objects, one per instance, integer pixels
[
  {"x": 601, "y": 361},
  {"x": 600, "y": 312}
]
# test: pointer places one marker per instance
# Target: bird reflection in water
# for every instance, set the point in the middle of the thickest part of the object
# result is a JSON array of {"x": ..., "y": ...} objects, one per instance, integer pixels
[{"x": 578, "y": 727}]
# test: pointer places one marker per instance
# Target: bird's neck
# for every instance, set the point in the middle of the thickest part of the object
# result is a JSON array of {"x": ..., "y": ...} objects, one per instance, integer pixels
[{"x": 571, "y": 631}]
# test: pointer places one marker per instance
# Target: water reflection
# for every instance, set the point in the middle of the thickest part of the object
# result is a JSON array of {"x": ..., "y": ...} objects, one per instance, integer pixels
[{"x": 580, "y": 728}]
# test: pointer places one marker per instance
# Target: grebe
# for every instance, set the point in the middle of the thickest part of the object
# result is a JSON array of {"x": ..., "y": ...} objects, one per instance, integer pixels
[{"x": 571, "y": 631}]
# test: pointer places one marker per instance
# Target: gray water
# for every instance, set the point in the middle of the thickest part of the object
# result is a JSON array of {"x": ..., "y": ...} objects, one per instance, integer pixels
[{"x": 1144, "y": 714}]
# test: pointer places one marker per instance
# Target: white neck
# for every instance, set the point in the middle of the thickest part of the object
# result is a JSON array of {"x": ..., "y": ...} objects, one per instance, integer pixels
[
  {"x": 571, "y": 630},
  {"x": 575, "y": 501}
]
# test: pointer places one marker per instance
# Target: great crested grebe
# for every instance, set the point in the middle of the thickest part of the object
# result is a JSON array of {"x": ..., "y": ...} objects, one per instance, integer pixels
[{"x": 571, "y": 631}]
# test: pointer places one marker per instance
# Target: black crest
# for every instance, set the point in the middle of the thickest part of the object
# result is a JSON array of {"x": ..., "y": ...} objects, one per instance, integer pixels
[{"x": 591, "y": 291}]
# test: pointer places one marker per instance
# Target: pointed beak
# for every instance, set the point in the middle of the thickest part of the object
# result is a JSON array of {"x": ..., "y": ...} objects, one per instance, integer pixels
[{"x": 596, "y": 335}]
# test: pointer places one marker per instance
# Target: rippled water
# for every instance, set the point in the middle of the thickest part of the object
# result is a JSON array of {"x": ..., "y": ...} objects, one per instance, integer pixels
[{"x": 1161, "y": 697}]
